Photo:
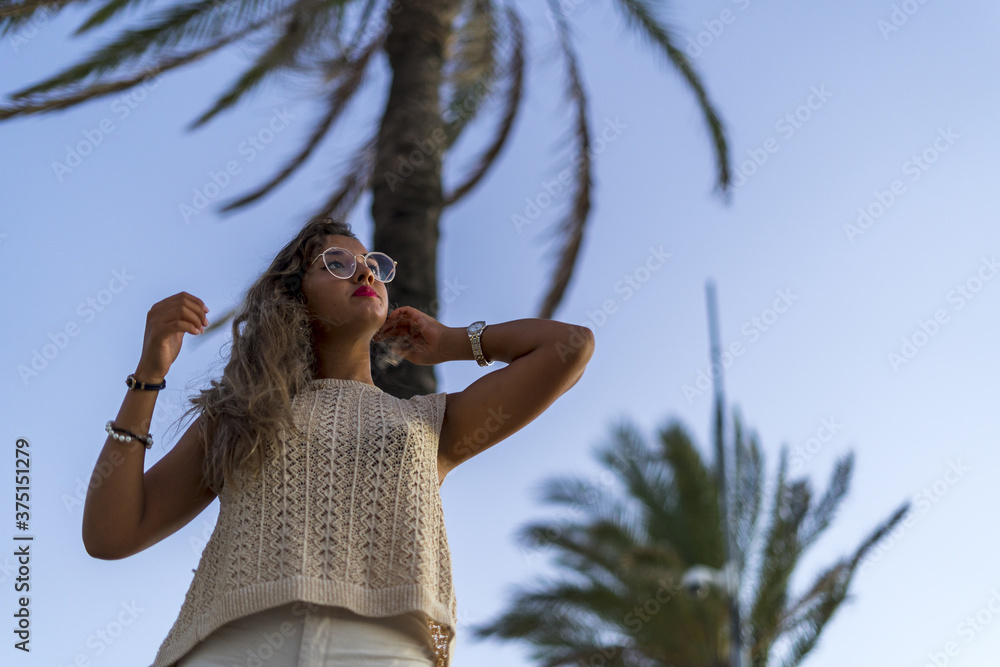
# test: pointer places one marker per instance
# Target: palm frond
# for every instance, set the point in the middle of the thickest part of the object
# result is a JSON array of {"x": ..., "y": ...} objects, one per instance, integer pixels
[
  {"x": 575, "y": 549},
  {"x": 470, "y": 68},
  {"x": 14, "y": 15},
  {"x": 336, "y": 104},
  {"x": 109, "y": 10},
  {"x": 97, "y": 90},
  {"x": 639, "y": 15},
  {"x": 646, "y": 481},
  {"x": 821, "y": 515},
  {"x": 194, "y": 21},
  {"x": 363, "y": 24},
  {"x": 700, "y": 541},
  {"x": 512, "y": 102},
  {"x": 571, "y": 229},
  {"x": 806, "y": 619},
  {"x": 748, "y": 492},
  {"x": 281, "y": 54},
  {"x": 780, "y": 554},
  {"x": 357, "y": 177}
]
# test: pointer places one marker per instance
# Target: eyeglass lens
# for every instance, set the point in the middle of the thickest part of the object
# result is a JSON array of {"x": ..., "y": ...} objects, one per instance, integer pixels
[{"x": 342, "y": 264}]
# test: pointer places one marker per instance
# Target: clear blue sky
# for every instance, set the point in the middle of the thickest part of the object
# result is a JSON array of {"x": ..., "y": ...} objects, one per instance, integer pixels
[{"x": 841, "y": 114}]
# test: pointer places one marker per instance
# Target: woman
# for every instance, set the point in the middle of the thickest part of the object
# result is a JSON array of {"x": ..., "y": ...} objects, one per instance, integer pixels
[{"x": 330, "y": 547}]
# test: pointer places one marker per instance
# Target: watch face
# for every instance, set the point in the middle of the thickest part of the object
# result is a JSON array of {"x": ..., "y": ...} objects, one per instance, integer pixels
[{"x": 476, "y": 326}]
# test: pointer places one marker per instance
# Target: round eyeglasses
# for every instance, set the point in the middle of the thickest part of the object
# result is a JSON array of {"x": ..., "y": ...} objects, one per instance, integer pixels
[{"x": 342, "y": 263}]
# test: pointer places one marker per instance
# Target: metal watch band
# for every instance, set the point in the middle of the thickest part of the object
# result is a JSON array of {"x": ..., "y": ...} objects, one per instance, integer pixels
[{"x": 477, "y": 347}]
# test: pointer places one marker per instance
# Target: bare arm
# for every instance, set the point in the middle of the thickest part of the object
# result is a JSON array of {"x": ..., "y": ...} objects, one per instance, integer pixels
[
  {"x": 545, "y": 359},
  {"x": 117, "y": 520},
  {"x": 113, "y": 506}
]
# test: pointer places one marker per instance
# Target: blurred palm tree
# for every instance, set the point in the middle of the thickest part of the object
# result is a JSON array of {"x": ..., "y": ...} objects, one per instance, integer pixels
[
  {"x": 624, "y": 553},
  {"x": 448, "y": 59}
]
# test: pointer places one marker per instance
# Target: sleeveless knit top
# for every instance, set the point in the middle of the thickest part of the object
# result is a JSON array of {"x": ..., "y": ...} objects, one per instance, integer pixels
[{"x": 347, "y": 513}]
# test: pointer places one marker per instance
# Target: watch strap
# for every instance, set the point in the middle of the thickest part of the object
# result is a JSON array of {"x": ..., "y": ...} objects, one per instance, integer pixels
[{"x": 477, "y": 347}]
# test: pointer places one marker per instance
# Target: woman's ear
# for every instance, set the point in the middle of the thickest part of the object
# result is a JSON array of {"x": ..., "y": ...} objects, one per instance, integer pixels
[{"x": 293, "y": 286}]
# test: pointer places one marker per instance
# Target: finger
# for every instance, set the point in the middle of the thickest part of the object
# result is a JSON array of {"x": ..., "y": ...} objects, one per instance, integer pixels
[{"x": 192, "y": 314}]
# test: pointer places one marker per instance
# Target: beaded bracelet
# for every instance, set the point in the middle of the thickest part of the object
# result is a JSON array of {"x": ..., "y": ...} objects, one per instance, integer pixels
[{"x": 146, "y": 440}]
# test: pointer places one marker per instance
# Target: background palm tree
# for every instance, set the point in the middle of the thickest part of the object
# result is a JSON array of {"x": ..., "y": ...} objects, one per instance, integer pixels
[
  {"x": 624, "y": 551},
  {"x": 448, "y": 58}
]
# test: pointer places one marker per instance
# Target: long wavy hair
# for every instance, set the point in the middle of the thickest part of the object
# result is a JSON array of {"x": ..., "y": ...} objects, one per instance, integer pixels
[{"x": 272, "y": 359}]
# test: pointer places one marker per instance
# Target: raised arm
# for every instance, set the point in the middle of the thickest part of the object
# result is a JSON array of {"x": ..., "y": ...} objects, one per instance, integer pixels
[
  {"x": 544, "y": 358},
  {"x": 117, "y": 520}
]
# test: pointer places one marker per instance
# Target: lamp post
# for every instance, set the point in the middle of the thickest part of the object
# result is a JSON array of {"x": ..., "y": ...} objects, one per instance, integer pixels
[{"x": 731, "y": 582}]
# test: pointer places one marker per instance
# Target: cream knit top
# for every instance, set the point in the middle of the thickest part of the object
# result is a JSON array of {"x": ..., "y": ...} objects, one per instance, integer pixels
[{"x": 347, "y": 513}]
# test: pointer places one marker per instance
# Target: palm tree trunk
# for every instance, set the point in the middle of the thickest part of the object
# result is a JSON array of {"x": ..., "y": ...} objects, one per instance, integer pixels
[{"x": 406, "y": 192}]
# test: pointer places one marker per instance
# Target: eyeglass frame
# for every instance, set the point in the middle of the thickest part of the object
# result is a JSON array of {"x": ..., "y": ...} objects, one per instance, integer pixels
[{"x": 355, "y": 258}]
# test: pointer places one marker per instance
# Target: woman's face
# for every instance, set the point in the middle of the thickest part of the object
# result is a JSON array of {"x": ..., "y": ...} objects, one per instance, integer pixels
[{"x": 333, "y": 301}]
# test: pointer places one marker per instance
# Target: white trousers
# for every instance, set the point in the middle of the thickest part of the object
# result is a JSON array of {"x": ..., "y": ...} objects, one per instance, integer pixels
[{"x": 314, "y": 636}]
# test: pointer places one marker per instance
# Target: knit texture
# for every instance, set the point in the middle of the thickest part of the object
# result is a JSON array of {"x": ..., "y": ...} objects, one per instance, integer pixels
[{"x": 348, "y": 513}]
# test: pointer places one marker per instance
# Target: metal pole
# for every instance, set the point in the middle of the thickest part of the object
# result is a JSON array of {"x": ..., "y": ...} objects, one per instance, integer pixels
[{"x": 736, "y": 650}]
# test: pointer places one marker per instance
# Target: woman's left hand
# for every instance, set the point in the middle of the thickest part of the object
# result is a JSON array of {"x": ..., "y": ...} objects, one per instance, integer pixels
[{"x": 417, "y": 337}]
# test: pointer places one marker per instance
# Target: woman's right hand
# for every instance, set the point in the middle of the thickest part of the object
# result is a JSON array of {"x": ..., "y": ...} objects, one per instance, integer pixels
[{"x": 166, "y": 323}]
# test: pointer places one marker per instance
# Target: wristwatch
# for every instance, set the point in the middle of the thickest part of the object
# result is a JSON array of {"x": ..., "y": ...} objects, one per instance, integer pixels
[{"x": 475, "y": 331}]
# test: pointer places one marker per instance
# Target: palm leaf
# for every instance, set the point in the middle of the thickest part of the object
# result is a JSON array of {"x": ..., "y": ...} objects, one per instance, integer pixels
[
  {"x": 806, "y": 619},
  {"x": 748, "y": 493},
  {"x": 470, "y": 67},
  {"x": 336, "y": 104},
  {"x": 14, "y": 15},
  {"x": 105, "y": 13},
  {"x": 356, "y": 179},
  {"x": 700, "y": 539},
  {"x": 282, "y": 54},
  {"x": 197, "y": 20},
  {"x": 107, "y": 88},
  {"x": 639, "y": 15},
  {"x": 570, "y": 230},
  {"x": 515, "y": 71},
  {"x": 779, "y": 555},
  {"x": 823, "y": 513}
]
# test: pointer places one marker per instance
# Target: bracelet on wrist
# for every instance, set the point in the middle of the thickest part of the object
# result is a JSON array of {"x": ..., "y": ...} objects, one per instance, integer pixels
[
  {"x": 122, "y": 435},
  {"x": 144, "y": 386}
]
